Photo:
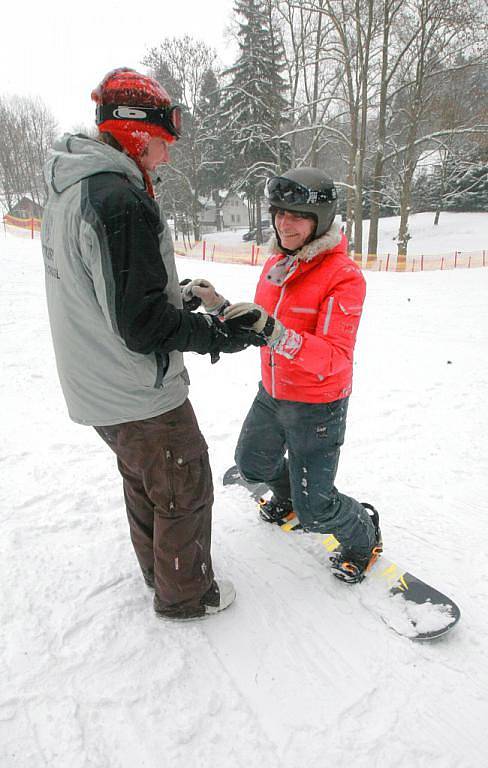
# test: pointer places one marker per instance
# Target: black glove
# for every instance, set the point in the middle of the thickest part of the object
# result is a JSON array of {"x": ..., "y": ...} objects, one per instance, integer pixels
[
  {"x": 253, "y": 317},
  {"x": 189, "y": 304},
  {"x": 230, "y": 340}
]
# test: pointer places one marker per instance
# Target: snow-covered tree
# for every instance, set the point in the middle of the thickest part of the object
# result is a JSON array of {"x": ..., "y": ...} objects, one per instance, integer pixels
[
  {"x": 255, "y": 103},
  {"x": 468, "y": 189},
  {"x": 214, "y": 139},
  {"x": 445, "y": 31},
  {"x": 182, "y": 66},
  {"x": 27, "y": 131}
]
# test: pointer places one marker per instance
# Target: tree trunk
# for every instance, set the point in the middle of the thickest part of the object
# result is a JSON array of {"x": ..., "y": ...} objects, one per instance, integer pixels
[
  {"x": 377, "y": 180},
  {"x": 358, "y": 205},
  {"x": 405, "y": 200},
  {"x": 351, "y": 179},
  {"x": 364, "y": 46},
  {"x": 195, "y": 218},
  {"x": 403, "y": 236},
  {"x": 218, "y": 210},
  {"x": 259, "y": 234},
  {"x": 314, "y": 156},
  {"x": 374, "y": 210},
  {"x": 350, "y": 206}
]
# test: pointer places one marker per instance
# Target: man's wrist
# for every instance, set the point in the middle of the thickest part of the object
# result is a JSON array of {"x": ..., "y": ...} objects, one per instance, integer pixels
[{"x": 217, "y": 309}]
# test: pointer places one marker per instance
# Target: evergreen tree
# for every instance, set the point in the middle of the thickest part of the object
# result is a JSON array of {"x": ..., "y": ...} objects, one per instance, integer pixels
[
  {"x": 214, "y": 143},
  {"x": 427, "y": 192},
  {"x": 469, "y": 189},
  {"x": 182, "y": 64},
  {"x": 459, "y": 182},
  {"x": 255, "y": 102}
]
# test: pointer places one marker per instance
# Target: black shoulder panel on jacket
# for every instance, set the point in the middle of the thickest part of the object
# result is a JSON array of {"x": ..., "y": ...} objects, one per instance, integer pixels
[{"x": 128, "y": 225}]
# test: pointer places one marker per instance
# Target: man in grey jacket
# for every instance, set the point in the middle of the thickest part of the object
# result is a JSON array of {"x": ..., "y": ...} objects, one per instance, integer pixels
[{"x": 119, "y": 329}]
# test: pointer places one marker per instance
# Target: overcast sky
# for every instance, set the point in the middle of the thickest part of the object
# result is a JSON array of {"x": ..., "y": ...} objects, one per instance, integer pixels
[{"x": 60, "y": 51}]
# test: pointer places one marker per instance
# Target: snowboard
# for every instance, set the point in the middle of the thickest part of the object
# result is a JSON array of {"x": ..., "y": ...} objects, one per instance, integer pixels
[{"x": 408, "y": 605}]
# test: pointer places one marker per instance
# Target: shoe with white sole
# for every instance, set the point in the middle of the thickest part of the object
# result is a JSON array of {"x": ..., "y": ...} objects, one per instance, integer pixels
[{"x": 220, "y": 595}]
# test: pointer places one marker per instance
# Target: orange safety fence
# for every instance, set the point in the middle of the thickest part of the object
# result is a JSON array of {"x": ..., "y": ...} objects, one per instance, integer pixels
[
  {"x": 250, "y": 253},
  {"x": 16, "y": 225},
  {"x": 247, "y": 253},
  {"x": 423, "y": 262}
]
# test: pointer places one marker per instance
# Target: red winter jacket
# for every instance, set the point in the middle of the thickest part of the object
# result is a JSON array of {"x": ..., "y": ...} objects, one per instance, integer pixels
[{"x": 321, "y": 299}]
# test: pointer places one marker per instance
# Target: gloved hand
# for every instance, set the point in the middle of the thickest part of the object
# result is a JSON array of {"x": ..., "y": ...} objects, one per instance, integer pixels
[
  {"x": 192, "y": 302},
  {"x": 230, "y": 340},
  {"x": 248, "y": 316},
  {"x": 213, "y": 302}
]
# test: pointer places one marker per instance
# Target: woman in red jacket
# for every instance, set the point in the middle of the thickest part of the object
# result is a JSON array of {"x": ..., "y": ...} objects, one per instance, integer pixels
[{"x": 307, "y": 309}]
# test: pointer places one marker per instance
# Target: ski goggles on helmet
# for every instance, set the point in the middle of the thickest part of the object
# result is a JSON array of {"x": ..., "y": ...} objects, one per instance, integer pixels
[
  {"x": 279, "y": 189},
  {"x": 168, "y": 117}
]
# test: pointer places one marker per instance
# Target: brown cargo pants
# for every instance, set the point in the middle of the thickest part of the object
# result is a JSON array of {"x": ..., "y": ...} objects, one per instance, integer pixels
[{"x": 168, "y": 495}]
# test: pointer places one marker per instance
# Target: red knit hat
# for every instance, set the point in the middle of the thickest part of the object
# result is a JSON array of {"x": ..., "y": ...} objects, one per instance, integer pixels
[{"x": 123, "y": 88}]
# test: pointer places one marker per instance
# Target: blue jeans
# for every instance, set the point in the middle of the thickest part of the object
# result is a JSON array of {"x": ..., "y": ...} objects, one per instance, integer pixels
[{"x": 312, "y": 433}]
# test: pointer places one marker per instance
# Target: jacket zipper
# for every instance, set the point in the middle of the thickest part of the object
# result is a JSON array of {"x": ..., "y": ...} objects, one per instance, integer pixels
[
  {"x": 162, "y": 365},
  {"x": 272, "y": 352}
]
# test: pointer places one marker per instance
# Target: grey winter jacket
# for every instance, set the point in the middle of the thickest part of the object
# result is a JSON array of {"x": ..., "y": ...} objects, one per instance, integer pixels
[{"x": 112, "y": 289}]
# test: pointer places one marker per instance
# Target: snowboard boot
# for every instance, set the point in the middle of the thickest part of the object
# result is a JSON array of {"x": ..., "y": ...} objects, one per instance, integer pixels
[
  {"x": 217, "y": 598},
  {"x": 352, "y": 567},
  {"x": 274, "y": 511}
]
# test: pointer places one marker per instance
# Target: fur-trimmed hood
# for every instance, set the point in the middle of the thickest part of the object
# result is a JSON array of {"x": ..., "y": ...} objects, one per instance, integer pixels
[
  {"x": 283, "y": 268},
  {"x": 326, "y": 242}
]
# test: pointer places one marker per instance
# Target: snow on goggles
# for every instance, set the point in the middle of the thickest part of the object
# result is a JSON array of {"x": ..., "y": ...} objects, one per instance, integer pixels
[
  {"x": 168, "y": 118},
  {"x": 282, "y": 190}
]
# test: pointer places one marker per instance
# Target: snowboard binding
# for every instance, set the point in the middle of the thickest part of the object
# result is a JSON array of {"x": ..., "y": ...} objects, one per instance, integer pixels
[
  {"x": 278, "y": 512},
  {"x": 351, "y": 567}
]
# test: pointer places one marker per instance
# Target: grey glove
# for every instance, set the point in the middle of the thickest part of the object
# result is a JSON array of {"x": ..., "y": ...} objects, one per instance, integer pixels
[
  {"x": 200, "y": 288},
  {"x": 249, "y": 316}
]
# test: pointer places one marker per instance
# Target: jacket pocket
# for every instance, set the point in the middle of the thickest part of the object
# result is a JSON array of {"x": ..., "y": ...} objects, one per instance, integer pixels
[
  {"x": 189, "y": 479},
  {"x": 145, "y": 369},
  {"x": 349, "y": 317}
]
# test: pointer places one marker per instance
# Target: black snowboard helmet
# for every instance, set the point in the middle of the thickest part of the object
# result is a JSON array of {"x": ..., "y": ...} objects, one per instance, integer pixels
[{"x": 304, "y": 190}]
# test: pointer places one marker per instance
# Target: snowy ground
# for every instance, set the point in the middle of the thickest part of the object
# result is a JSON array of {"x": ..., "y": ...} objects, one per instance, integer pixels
[
  {"x": 298, "y": 672},
  {"x": 455, "y": 232}
]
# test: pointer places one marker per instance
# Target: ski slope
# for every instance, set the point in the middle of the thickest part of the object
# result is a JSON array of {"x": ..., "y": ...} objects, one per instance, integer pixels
[{"x": 299, "y": 671}]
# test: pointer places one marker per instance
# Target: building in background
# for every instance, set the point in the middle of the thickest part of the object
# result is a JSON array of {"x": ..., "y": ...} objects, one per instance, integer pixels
[
  {"x": 26, "y": 208},
  {"x": 235, "y": 214}
]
